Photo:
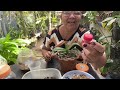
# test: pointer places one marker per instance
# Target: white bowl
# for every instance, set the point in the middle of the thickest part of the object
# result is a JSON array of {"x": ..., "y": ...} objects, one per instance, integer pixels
[
  {"x": 70, "y": 74},
  {"x": 49, "y": 73}
]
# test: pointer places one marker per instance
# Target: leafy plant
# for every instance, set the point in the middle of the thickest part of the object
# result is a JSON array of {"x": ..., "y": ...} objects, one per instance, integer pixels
[
  {"x": 67, "y": 57},
  {"x": 108, "y": 22},
  {"x": 105, "y": 69},
  {"x": 9, "y": 49},
  {"x": 67, "y": 52}
]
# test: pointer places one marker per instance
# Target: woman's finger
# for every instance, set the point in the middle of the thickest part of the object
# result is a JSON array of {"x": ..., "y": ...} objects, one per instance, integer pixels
[
  {"x": 88, "y": 49},
  {"x": 84, "y": 56},
  {"x": 100, "y": 48},
  {"x": 89, "y": 56},
  {"x": 48, "y": 55}
]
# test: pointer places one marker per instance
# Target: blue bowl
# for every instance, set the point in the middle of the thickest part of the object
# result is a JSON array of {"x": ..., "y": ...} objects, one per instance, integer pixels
[{"x": 77, "y": 74}]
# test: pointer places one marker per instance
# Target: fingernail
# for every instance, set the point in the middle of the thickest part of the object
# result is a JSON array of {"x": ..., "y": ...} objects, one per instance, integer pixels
[
  {"x": 84, "y": 45},
  {"x": 93, "y": 43}
]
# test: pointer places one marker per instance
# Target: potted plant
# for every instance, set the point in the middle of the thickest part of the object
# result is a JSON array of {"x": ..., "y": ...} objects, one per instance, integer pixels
[{"x": 67, "y": 57}]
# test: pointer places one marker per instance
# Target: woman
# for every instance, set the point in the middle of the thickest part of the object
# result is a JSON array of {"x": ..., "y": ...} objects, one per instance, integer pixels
[{"x": 70, "y": 31}]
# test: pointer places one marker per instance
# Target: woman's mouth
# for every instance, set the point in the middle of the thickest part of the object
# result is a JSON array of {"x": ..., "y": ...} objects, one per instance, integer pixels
[{"x": 71, "y": 21}]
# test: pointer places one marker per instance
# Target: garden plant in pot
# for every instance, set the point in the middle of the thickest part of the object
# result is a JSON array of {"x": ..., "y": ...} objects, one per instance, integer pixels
[{"x": 67, "y": 57}]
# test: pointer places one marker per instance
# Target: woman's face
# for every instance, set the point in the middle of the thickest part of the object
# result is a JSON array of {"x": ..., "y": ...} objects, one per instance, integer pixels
[{"x": 71, "y": 19}]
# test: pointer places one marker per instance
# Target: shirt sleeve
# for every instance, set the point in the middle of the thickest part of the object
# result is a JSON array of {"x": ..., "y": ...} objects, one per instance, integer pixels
[
  {"x": 50, "y": 39},
  {"x": 47, "y": 41}
]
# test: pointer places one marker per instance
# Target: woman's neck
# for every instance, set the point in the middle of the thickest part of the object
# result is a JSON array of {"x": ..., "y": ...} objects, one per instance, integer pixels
[
  {"x": 66, "y": 33},
  {"x": 67, "y": 29}
]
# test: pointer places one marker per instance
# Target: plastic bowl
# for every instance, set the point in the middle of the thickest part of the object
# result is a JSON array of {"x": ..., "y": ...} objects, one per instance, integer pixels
[
  {"x": 49, "y": 73},
  {"x": 78, "y": 73}
]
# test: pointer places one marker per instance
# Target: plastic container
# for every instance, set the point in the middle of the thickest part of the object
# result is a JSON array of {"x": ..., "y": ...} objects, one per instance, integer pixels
[
  {"x": 5, "y": 70},
  {"x": 36, "y": 64},
  {"x": 24, "y": 55},
  {"x": 11, "y": 75},
  {"x": 49, "y": 73},
  {"x": 76, "y": 74}
]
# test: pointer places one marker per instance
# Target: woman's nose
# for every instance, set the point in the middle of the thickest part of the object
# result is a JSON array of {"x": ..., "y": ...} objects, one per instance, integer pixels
[{"x": 72, "y": 15}]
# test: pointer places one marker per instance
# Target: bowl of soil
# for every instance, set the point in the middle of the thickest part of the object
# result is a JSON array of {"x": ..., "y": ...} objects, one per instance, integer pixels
[{"x": 77, "y": 74}]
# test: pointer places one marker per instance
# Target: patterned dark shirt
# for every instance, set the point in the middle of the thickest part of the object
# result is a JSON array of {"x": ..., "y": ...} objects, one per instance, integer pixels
[{"x": 53, "y": 38}]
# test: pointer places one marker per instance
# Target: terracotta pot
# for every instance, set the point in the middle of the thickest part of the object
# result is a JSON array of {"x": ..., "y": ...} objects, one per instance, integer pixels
[{"x": 66, "y": 64}]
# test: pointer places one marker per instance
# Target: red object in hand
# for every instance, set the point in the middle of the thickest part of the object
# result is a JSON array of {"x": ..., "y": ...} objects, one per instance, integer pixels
[{"x": 87, "y": 38}]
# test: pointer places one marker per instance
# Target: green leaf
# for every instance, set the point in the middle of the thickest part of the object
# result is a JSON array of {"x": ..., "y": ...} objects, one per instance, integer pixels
[
  {"x": 108, "y": 19},
  {"x": 14, "y": 50},
  {"x": 73, "y": 45},
  {"x": 2, "y": 40},
  {"x": 37, "y": 22},
  {"x": 104, "y": 24},
  {"x": 118, "y": 21},
  {"x": 111, "y": 21},
  {"x": 21, "y": 42},
  {"x": 107, "y": 50},
  {"x": 104, "y": 70},
  {"x": 58, "y": 49},
  {"x": 117, "y": 16},
  {"x": 103, "y": 37},
  {"x": 108, "y": 64},
  {"x": 11, "y": 44}
]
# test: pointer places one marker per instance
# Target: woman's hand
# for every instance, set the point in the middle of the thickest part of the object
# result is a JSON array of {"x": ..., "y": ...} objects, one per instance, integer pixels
[
  {"x": 47, "y": 54},
  {"x": 94, "y": 53}
]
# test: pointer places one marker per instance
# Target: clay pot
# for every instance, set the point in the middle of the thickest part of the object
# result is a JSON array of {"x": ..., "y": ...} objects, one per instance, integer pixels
[{"x": 66, "y": 64}]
